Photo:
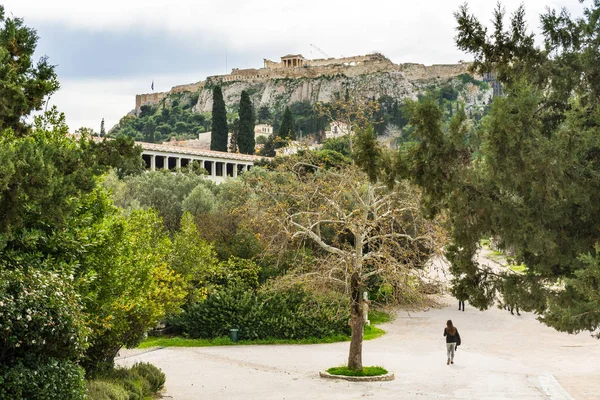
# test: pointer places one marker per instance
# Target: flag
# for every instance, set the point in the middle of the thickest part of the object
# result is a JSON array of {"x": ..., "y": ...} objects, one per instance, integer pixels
[{"x": 152, "y": 85}]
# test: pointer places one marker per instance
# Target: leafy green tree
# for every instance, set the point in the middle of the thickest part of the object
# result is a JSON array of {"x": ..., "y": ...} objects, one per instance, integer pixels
[
  {"x": 219, "y": 132},
  {"x": 78, "y": 279},
  {"x": 102, "y": 129},
  {"x": 287, "y": 130},
  {"x": 122, "y": 274},
  {"x": 147, "y": 110},
  {"x": 23, "y": 85},
  {"x": 40, "y": 175},
  {"x": 193, "y": 258},
  {"x": 164, "y": 191},
  {"x": 367, "y": 153},
  {"x": 268, "y": 149},
  {"x": 246, "y": 128},
  {"x": 201, "y": 200},
  {"x": 120, "y": 153},
  {"x": 340, "y": 144},
  {"x": 532, "y": 176},
  {"x": 54, "y": 221}
]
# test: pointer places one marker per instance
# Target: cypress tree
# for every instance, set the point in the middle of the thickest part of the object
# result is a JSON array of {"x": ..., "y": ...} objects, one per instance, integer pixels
[
  {"x": 234, "y": 142},
  {"x": 287, "y": 125},
  {"x": 218, "y": 135},
  {"x": 245, "y": 138}
]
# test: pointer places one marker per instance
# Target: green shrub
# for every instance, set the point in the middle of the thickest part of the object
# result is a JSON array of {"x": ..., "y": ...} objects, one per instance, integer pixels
[
  {"x": 103, "y": 390},
  {"x": 155, "y": 377},
  {"x": 40, "y": 315},
  {"x": 292, "y": 313},
  {"x": 135, "y": 388},
  {"x": 140, "y": 381},
  {"x": 42, "y": 336},
  {"x": 42, "y": 378}
]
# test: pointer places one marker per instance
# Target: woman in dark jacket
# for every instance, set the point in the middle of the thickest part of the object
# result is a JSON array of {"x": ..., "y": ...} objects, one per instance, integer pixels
[{"x": 452, "y": 340}]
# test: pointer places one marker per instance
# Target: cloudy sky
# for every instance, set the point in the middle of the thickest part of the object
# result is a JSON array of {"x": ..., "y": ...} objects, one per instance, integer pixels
[{"x": 106, "y": 52}]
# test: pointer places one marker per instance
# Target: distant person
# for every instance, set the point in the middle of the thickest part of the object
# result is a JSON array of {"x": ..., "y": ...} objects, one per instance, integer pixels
[
  {"x": 511, "y": 307},
  {"x": 452, "y": 340},
  {"x": 460, "y": 292}
]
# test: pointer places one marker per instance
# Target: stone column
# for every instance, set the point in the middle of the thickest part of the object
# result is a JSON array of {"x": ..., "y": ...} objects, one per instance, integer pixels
[
  {"x": 213, "y": 170},
  {"x": 178, "y": 163},
  {"x": 166, "y": 163},
  {"x": 235, "y": 166},
  {"x": 152, "y": 162}
]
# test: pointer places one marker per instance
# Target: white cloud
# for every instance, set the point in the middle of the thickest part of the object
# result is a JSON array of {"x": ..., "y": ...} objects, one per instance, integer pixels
[
  {"x": 405, "y": 31},
  {"x": 339, "y": 27},
  {"x": 86, "y": 101}
]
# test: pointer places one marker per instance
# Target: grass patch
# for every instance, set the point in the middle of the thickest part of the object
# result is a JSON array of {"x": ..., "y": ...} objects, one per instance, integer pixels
[
  {"x": 366, "y": 371},
  {"x": 371, "y": 332},
  {"x": 519, "y": 268},
  {"x": 177, "y": 341},
  {"x": 379, "y": 317}
]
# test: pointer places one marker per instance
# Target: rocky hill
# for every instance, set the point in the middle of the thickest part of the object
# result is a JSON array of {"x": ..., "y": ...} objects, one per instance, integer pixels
[{"x": 297, "y": 80}]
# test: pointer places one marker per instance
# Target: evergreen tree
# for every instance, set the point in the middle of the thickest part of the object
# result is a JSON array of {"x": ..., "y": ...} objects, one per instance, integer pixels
[
  {"x": 218, "y": 136},
  {"x": 367, "y": 152},
  {"x": 23, "y": 85},
  {"x": 102, "y": 129},
  {"x": 287, "y": 132},
  {"x": 245, "y": 138},
  {"x": 530, "y": 175},
  {"x": 150, "y": 131},
  {"x": 264, "y": 115},
  {"x": 235, "y": 137}
]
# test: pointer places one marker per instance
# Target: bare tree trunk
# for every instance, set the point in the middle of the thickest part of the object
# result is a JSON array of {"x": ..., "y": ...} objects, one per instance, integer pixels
[{"x": 357, "y": 324}]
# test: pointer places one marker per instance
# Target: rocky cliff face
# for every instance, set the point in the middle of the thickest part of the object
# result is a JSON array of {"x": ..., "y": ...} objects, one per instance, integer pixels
[
  {"x": 277, "y": 93},
  {"x": 287, "y": 87}
]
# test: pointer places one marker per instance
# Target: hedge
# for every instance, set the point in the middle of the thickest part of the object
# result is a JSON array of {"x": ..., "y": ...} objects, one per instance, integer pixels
[{"x": 293, "y": 313}]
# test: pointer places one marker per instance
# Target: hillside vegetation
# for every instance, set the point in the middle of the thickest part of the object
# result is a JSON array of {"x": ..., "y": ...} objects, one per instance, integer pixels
[{"x": 180, "y": 115}]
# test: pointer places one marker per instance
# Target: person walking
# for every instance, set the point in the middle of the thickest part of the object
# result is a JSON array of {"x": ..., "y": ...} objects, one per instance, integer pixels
[
  {"x": 452, "y": 340},
  {"x": 461, "y": 303}
]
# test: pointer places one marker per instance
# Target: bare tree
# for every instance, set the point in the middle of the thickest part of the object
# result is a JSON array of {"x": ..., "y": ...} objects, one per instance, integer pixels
[
  {"x": 352, "y": 109},
  {"x": 357, "y": 230}
]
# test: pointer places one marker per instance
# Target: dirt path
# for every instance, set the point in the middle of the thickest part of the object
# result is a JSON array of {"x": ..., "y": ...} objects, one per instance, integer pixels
[{"x": 502, "y": 357}]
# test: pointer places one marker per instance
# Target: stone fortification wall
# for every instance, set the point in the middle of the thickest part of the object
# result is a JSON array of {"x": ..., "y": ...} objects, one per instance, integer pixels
[
  {"x": 155, "y": 98},
  {"x": 349, "y": 67},
  {"x": 346, "y": 68},
  {"x": 356, "y": 60},
  {"x": 421, "y": 72},
  {"x": 149, "y": 99},
  {"x": 192, "y": 87}
]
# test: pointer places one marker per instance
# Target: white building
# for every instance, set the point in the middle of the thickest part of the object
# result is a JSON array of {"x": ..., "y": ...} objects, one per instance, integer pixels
[
  {"x": 337, "y": 129},
  {"x": 263, "y": 130}
]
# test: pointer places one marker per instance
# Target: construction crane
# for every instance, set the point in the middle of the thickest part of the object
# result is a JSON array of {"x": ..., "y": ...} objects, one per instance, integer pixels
[{"x": 321, "y": 51}]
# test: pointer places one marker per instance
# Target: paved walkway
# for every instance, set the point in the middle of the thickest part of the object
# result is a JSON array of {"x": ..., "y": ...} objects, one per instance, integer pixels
[{"x": 502, "y": 357}]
